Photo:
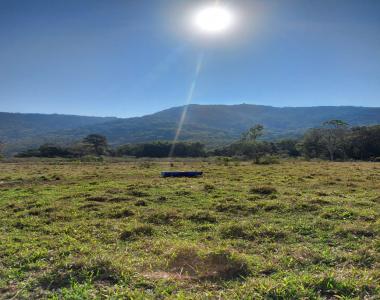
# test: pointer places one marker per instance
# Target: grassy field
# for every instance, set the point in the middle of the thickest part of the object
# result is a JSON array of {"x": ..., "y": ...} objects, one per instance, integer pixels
[{"x": 117, "y": 230}]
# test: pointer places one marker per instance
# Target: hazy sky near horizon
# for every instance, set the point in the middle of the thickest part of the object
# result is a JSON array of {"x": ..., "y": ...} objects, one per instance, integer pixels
[{"x": 133, "y": 57}]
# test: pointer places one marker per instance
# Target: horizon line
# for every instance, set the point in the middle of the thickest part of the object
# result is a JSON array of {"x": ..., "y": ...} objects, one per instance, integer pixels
[{"x": 179, "y": 106}]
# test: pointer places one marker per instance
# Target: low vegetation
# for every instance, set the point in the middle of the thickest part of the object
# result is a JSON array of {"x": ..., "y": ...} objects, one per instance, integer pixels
[{"x": 291, "y": 230}]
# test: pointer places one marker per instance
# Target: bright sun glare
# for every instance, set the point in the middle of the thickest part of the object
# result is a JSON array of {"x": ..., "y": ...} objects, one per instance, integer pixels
[{"x": 213, "y": 19}]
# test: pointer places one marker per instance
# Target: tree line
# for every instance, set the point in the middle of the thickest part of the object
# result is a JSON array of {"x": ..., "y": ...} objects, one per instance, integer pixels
[
  {"x": 97, "y": 145},
  {"x": 333, "y": 140},
  {"x": 93, "y": 144}
]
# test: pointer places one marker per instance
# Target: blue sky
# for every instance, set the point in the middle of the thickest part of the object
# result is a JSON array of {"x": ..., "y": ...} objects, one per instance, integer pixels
[{"x": 133, "y": 57}]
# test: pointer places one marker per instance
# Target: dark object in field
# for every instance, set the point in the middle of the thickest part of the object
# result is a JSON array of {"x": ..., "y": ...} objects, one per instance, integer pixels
[
  {"x": 181, "y": 174},
  {"x": 263, "y": 190}
]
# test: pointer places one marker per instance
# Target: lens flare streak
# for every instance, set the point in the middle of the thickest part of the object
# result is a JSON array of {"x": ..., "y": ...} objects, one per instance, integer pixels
[{"x": 187, "y": 103}]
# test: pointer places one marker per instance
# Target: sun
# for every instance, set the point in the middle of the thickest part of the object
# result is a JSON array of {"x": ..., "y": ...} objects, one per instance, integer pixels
[{"x": 214, "y": 19}]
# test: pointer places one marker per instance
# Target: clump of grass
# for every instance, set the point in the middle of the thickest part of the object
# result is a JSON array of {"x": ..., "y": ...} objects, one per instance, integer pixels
[
  {"x": 270, "y": 233},
  {"x": 141, "y": 203},
  {"x": 229, "y": 207},
  {"x": 114, "y": 191},
  {"x": 234, "y": 207},
  {"x": 263, "y": 190},
  {"x": 234, "y": 231},
  {"x": 43, "y": 178},
  {"x": 304, "y": 229},
  {"x": 215, "y": 265},
  {"x": 306, "y": 207},
  {"x": 208, "y": 188},
  {"x": 329, "y": 286},
  {"x": 49, "y": 210},
  {"x": 338, "y": 213},
  {"x": 322, "y": 194},
  {"x": 366, "y": 258},
  {"x": 59, "y": 217},
  {"x": 164, "y": 218},
  {"x": 320, "y": 201},
  {"x": 250, "y": 232},
  {"x": 56, "y": 177},
  {"x": 203, "y": 227},
  {"x": 349, "y": 230},
  {"x": 137, "y": 193},
  {"x": 97, "y": 198},
  {"x": 137, "y": 231},
  {"x": 98, "y": 270},
  {"x": 183, "y": 193},
  {"x": 202, "y": 217},
  {"x": 91, "y": 206},
  {"x": 366, "y": 215},
  {"x": 20, "y": 225},
  {"x": 119, "y": 199},
  {"x": 161, "y": 199},
  {"x": 271, "y": 206},
  {"x": 34, "y": 212},
  {"x": 123, "y": 214}
]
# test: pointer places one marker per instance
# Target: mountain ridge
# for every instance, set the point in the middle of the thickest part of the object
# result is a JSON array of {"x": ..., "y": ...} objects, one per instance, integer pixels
[{"x": 212, "y": 124}]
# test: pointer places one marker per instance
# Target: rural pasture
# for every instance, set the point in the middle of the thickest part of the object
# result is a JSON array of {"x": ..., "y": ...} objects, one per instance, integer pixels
[{"x": 116, "y": 230}]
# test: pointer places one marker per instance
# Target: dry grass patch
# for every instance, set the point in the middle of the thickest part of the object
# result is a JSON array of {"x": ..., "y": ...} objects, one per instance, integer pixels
[{"x": 218, "y": 265}]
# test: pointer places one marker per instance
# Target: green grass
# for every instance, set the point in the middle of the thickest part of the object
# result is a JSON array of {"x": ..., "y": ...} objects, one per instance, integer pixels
[{"x": 117, "y": 230}]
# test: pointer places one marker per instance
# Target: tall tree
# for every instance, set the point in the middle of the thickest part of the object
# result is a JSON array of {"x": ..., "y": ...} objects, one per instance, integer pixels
[
  {"x": 334, "y": 133},
  {"x": 364, "y": 142},
  {"x": 253, "y": 133},
  {"x": 249, "y": 146},
  {"x": 288, "y": 147},
  {"x": 312, "y": 144},
  {"x": 98, "y": 142}
]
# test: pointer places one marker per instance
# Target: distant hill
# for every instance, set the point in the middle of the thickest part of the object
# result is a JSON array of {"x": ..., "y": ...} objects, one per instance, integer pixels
[
  {"x": 211, "y": 124},
  {"x": 21, "y": 131}
]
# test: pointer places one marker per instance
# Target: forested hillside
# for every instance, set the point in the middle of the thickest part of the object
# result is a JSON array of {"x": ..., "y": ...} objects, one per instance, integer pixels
[{"x": 213, "y": 125}]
